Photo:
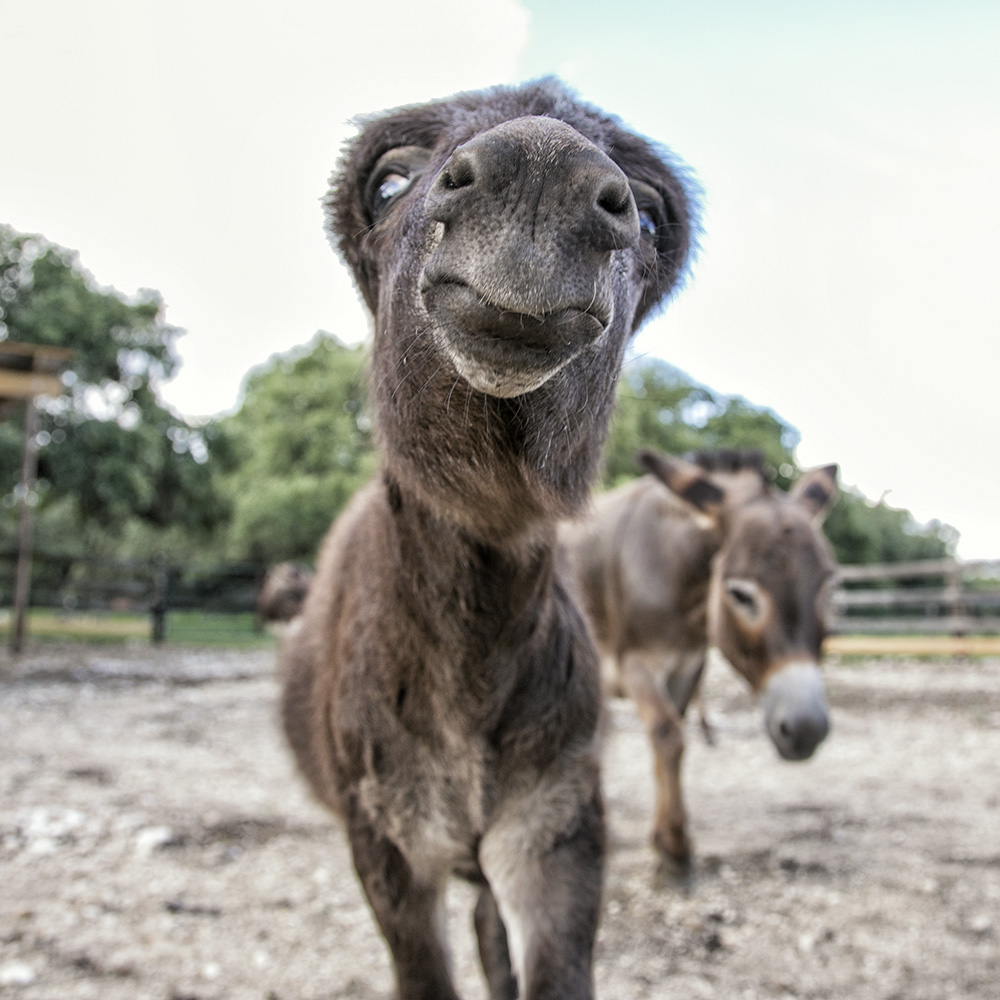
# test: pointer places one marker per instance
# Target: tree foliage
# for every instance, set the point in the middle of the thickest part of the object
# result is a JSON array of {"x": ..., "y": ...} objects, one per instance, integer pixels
[
  {"x": 119, "y": 470},
  {"x": 660, "y": 407},
  {"x": 109, "y": 451},
  {"x": 300, "y": 445},
  {"x": 865, "y": 532}
]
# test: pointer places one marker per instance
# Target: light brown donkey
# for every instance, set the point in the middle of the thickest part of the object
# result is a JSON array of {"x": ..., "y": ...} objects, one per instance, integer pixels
[
  {"x": 707, "y": 552},
  {"x": 442, "y": 690}
]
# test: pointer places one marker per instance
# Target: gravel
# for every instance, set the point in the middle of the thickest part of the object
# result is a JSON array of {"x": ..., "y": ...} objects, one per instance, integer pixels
[{"x": 155, "y": 842}]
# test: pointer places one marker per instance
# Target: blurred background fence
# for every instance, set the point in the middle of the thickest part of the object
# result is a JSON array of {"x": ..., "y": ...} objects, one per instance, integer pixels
[
  {"x": 933, "y": 596},
  {"x": 156, "y": 599},
  {"x": 163, "y": 600},
  {"x": 927, "y": 607}
]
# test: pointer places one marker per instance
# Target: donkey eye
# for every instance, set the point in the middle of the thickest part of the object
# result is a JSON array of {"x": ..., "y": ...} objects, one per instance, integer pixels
[
  {"x": 391, "y": 185},
  {"x": 746, "y": 601},
  {"x": 392, "y": 176},
  {"x": 650, "y": 206},
  {"x": 742, "y": 596}
]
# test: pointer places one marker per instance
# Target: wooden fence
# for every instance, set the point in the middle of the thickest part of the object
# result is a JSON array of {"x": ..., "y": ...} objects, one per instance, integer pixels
[
  {"x": 943, "y": 596},
  {"x": 148, "y": 587},
  {"x": 943, "y": 606},
  {"x": 931, "y": 600}
]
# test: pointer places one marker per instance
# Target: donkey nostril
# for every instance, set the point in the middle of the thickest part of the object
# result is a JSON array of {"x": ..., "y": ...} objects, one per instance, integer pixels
[
  {"x": 612, "y": 216},
  {"x": 614, "y": 199},
  {"x": 458, "y": 173}
]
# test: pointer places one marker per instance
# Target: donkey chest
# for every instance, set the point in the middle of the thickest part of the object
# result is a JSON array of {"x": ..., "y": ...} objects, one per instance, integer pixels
[{"x": 429, "y": 792}]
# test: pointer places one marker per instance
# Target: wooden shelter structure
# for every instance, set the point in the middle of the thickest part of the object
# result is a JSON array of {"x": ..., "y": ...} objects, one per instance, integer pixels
[{"x": 26, "y": 372}]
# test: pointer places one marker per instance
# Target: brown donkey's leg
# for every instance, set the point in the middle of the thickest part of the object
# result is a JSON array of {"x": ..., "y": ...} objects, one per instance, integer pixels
[
  {"x": 544, "y": 859},
  {"x": 665, "y": 727},
  {"x": 407, "y": 912},
  {"x": 493, "y": 950}
]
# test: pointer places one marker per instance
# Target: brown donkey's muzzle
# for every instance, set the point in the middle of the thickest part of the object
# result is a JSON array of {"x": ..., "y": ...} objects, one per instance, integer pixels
[
  {"x": 530, "y": 214},
  {"x": 795, "y": 711}
]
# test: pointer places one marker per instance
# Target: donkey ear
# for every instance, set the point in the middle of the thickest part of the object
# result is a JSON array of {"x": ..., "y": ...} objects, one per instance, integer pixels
[
  {"x": 687, "y": 481},
  {"x": 347, "y": 228},
  {"x": 348, "y": 222},
  {"x": 816, "y": 490}
]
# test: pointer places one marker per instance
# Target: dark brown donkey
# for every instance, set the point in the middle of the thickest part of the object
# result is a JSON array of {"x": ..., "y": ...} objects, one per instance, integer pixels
[
  {"x": 442, "y": 689},
  {"x": 717, "y": 557}
]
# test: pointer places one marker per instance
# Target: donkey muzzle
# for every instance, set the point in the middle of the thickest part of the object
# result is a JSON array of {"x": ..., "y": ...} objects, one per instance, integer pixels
[
  {"x": 795, "y": 710},
  {"x": 529, "y": 214}
]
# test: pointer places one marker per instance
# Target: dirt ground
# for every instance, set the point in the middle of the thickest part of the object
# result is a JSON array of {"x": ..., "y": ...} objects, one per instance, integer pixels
[{"x": 156, "y": 843}]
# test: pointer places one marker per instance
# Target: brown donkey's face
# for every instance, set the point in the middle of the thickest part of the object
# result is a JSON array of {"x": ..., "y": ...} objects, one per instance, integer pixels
[
  {"x": 514, "y": 235},
  {"x": 767, "y": 614},
  {"x": 771, "y": 582}
]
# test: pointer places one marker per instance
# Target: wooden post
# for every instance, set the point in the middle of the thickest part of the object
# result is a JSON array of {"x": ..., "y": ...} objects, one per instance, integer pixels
[
  {"x": 160, "y": 602},
  {"x": 27, "y": 371},
  {"x": 22, "y": 578},
  {"x": 956, "y": 602}
]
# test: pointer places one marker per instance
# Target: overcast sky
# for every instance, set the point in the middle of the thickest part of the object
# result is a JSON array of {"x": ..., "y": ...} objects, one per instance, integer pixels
[{"x": 849, "y": 153}]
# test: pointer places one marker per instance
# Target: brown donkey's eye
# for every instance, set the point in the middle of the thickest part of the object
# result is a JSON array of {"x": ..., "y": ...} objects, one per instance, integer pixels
[
  {"x": 652, "y": 212},
  {"x": 392, "y": 176},
  {"x": 391, "y": 185},
  {"x": 747, "y": 601},
  {"x": 647, "y": 223}
]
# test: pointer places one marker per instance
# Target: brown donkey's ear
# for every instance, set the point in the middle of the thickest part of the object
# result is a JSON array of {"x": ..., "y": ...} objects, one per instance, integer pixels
[
  {"x": 687, "y": 481},
  {"x": 816, "y": 490}
]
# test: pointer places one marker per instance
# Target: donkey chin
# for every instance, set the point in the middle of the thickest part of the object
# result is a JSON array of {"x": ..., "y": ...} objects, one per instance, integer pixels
[
  {"x": 795, "y": 709},
  {"x": 501, "y": 351}
]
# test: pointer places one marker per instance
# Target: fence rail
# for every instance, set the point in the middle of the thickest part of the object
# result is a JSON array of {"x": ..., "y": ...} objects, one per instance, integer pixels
[
  {"x": 942, "y": 597},
  {"x": 153, "y": 587},
  {"x": 932, "y": 597}
]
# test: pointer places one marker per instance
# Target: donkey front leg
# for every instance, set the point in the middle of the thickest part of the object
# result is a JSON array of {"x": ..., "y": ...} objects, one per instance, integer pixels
[
  {"x": 544, "y": 859},
  {"x": 409, "y": 912},
  {"x": 493, "y": 951},
  {"x": 666, "y": 733}
]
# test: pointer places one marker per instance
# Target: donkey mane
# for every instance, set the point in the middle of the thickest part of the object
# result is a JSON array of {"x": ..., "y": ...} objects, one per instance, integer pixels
[{"x": 730, "y": 460}]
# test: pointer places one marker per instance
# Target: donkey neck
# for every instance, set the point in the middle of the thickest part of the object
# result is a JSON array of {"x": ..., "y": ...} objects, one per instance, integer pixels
[
  {"x": 468, "y": 591},
  {"x": 495, "y": 467}
]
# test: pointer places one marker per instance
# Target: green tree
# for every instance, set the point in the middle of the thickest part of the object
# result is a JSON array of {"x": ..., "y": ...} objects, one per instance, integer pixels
[
  {"x": 861, "y": 531},
  {"x": 301, "y": 445},
  {"x": 110, "y": 452},
  {"x": 660, "y": 407}
]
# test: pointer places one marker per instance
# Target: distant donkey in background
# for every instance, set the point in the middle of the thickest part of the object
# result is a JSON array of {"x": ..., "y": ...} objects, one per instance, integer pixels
[
  {"x": 707, "y": 552},
  {"x": 283, "y": 592},
  {"x": 441, "y": 689}
]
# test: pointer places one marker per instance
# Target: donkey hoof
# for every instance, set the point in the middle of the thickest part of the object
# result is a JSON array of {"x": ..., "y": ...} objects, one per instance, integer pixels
[
  {"x": 673, "y": 873},
  {"x": 674, "y": 850}
]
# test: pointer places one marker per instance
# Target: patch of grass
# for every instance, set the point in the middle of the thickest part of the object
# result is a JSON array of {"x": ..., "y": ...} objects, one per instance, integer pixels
[
  {"x": 53, "y": 626},
  {"x": 213, "y": 628},
  {"x": 183, "y": 627}
]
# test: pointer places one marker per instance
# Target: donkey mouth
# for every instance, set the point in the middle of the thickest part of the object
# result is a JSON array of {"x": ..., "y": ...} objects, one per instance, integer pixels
[{"x": 503, "y": 351}]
